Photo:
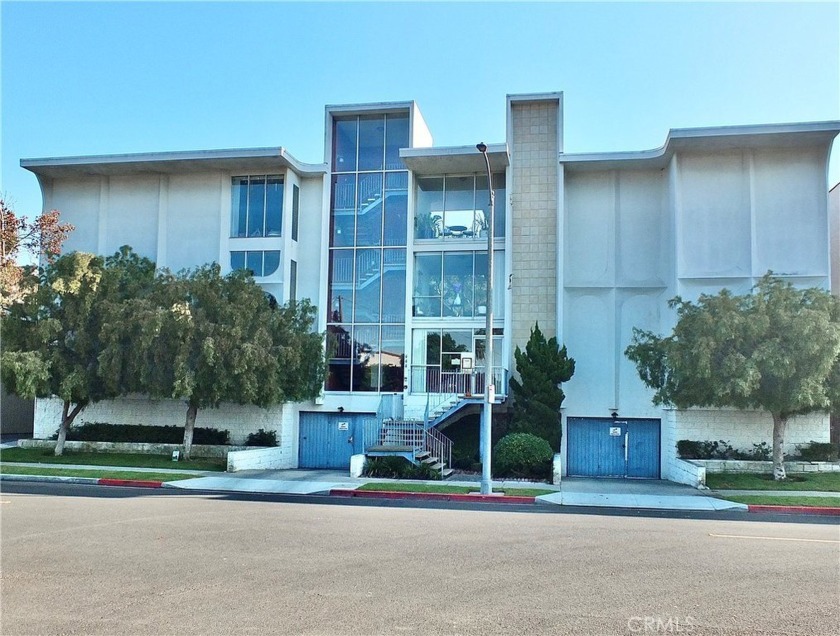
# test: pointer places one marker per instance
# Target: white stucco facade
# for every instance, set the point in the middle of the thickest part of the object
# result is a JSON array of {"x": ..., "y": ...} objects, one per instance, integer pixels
[{"x": 589, "y": 245}]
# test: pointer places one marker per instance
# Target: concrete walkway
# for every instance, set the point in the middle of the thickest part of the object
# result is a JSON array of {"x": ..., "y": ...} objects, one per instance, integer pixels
[{"x": 611, "y": 493}]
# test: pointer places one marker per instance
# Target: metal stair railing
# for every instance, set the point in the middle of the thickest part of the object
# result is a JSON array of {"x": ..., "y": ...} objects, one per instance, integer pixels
[
  {"x": 439, "y": 445},
  {"x": 401, "y": 433},
  {"x": 432, "y": 404}
]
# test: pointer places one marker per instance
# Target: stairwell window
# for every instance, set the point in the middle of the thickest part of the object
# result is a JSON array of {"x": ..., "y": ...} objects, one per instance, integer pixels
[
  {"x": 368, "y": 233},
  {"x": 256, "y": 206}
]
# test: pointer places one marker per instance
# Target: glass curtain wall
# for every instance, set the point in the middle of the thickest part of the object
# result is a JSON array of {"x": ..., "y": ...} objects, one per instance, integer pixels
[
  {"x": 368, "y": 231},
  {"x": 454, "y": 285},
  {"x": 458, "y": 207}
]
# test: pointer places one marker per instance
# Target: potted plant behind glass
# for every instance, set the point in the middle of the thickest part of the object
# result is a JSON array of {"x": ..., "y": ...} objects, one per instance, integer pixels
[{"x": 426, "y": 225}]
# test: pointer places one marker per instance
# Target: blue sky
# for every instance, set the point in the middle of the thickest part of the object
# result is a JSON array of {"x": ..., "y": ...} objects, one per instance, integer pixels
[{"x": 98, "y": 77}]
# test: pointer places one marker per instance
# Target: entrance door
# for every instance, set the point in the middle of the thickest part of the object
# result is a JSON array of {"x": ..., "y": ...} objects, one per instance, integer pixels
[
  {"x": 327, "y": 440},
  {"x": 603, "y": 447}
]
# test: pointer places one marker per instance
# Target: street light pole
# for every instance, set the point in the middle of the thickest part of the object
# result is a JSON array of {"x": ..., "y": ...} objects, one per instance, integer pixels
[{"x": 489, "y": 386}]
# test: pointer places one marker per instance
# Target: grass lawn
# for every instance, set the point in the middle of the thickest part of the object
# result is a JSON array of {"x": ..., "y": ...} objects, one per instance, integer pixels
[
  {"x": 452, "y": 490},
  {"x": 11, "y": 469},
  {"x": 825, "y": 482},
  {"x": 45, "y": 456},
  {"x": 793, "y": 500}
]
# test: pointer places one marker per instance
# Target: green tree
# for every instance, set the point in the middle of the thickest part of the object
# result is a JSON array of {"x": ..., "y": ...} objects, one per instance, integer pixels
[
  {"x": 207, "y": 339},
  {"x": 775, "y": 350},
  {"x": 52, "y": 338},
  {"x": 27, "y": 240},
  {"x": 537, "y": 397}
]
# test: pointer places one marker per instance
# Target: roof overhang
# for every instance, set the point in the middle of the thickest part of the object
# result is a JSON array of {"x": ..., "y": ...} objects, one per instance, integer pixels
[
  {"x": 246, "y": 159},
  {"x": 454, "y": 159},
  {"x": 708, "y": 139}
]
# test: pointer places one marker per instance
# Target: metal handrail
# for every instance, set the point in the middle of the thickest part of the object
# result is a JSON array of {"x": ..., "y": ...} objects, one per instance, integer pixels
[
  {"x": 408, "y": 433},
  {"x": 439, "y": 445},
  {"x": 430, "y": 379}
]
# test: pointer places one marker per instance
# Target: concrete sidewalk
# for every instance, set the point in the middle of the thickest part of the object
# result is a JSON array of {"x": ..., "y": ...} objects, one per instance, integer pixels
[
  {"x": 610, "y": 493},
  {"x": 574, "y": 491}
]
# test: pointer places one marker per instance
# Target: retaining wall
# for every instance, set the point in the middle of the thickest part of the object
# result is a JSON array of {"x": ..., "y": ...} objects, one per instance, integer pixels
[
  {"x": 742, "y": 466},
  {"x": 198, "y": 450},
  {"x": 687, "y": 472},
  {"x": 257, "y": 459}
]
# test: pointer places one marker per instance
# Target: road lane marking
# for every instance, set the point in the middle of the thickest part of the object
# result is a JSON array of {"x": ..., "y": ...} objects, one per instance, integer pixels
[{"x": 740, "y": 536}]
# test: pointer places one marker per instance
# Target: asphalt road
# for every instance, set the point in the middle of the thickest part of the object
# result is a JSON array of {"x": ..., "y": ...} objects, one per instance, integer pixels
[{"x": 141, "y": 562}]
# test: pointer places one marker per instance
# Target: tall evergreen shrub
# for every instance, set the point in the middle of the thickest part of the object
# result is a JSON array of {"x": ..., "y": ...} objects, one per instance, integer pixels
[{"x": 537, "y": 397}]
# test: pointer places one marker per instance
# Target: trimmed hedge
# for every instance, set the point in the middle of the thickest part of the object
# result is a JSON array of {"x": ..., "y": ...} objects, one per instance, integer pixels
[
  {"x": 262, "y": 438},
  {"x": 818, "y": 452},
  {"x": 143, "y": 434},
  {"x": 522, "y": 455},
  {"x": 693, "y": 449}
]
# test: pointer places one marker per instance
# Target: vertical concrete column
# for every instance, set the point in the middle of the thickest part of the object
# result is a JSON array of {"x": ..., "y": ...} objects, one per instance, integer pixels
[{"x": 535, "y": 133}]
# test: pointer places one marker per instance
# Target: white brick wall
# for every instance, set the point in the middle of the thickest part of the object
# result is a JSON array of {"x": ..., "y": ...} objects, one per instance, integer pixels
[
  {"x": 686, "y": 472},
  {"x": 742, "y": 429},
  {"x": 258, "y": 459},
  {"x": 239, "y": 420}
]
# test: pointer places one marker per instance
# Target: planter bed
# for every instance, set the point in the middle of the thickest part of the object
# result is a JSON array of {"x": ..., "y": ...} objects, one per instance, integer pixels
[
  {"x": 743, "y": 466},
  {"x": 198, "y": 450}
]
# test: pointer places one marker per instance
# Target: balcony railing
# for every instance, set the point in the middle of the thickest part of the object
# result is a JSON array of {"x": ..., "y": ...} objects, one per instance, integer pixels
[{"x": 431, "y": 379}]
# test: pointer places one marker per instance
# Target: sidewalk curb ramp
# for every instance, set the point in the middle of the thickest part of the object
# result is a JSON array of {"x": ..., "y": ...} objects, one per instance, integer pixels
[
  {"x": 430, "y": 496},
  {"x": 797, "y": 510}
]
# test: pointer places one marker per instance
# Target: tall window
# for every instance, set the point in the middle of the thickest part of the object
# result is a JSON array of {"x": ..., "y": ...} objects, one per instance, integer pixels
[
  {"x": 293, "y": 281},
  {"x": 256, "y": 206},
  {"x": 458, "y": 207},
  {"x": 295, "y": 211},
  {"x": 368, "y": 231}
]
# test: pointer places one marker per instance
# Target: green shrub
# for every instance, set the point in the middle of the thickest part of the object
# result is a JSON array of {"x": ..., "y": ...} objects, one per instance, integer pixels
[
  {"x": 398, "y": 468},
  {"x": 463, "y": 459},
  {"x": 262, "y": 438},
  {"x": 522, "y": 455},
  {"x": 693, "y": 449},
  {"x": 143, "y": 434},
  {"x": 818, "y": 452},
  {"x": 759, "y": 453}
]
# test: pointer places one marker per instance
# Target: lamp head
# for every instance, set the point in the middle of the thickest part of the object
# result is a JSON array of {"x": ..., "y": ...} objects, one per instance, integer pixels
[{"x": 482, "y": 147}]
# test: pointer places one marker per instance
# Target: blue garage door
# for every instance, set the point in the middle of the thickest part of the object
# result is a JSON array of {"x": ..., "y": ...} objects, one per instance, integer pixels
[
  {"x": 603, "y": 447},
  {"x": 327, "y": 440}
]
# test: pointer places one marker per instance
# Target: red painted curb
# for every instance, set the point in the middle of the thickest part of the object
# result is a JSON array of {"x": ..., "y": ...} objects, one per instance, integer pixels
[
  {"x": 806, "y": 510},
  {"x": 429, "y": 496},
  {"x": 104, "y": 481}
]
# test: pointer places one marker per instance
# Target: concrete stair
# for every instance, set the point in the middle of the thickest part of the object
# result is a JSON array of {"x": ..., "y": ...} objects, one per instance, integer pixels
[{"x": 436, "y": 464}]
